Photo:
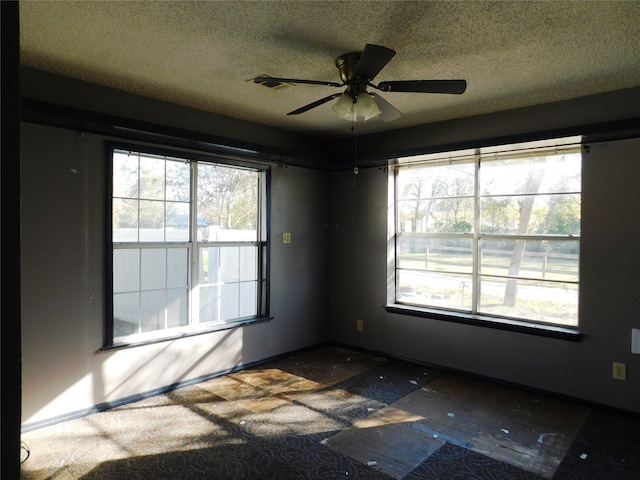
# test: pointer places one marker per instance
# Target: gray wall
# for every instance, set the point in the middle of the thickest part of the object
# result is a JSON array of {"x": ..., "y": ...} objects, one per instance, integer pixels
[
  {"x": 588, "y": 115},
  {"x": 101, "y": 102},
  {"x": 609, "y": 299},
  {"x": 332, "y": 274},
  {"x": 63, "y": 230}
]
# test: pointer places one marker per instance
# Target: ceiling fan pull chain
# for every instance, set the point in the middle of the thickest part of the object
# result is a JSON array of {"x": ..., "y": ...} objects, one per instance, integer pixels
[{"x": 355, "y": 152}]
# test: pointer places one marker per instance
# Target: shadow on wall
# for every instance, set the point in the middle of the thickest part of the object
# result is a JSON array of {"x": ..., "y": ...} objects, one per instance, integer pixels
[{"x": 129, "y": 374}]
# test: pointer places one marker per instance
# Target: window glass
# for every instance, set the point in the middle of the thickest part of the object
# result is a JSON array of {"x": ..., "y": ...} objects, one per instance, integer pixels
[
  {"x": 531, "y": 214},
  {"x": 227, "y": 203},
  {"x": 436, "y": 199},
  {"x": 555, "y": 260},
  {"x": 436, "y": 254},
  {"x": 180, "y": 265},
  {"x": 443, "y": 290},
  {"x": 547, "y": 302},
  {"x": 496, "y": 236}
]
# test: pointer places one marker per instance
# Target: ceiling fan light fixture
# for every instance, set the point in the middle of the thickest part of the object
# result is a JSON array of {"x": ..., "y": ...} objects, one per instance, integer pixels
[
  {"x": 362, "y": 107},
  {"x": 345, "y": 107},
  {"x": 366, "y": 107}
]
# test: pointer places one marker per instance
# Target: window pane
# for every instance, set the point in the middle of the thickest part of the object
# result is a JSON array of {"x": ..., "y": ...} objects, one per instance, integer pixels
[
  {"x": 178, "y": 183},
  {"x": 450, "y": 255},
  {"x": 152, "y": 178},
  {"x": 445, "y": 290},
  {"x": 533, "y": 214},
  {"x": 153, "y": 268},
  {"x": 545, "y": 259},
  {"x": 177, "y": 267},
  {"x": 541, "y": 301},
  {"x": 177, "y": 308},
  {"x": 177, "y": 222},
  {"x": 449, "y": 216},
  {"x": 125, "y": 220},
  {"x": 152, "y": 310},
  {"x": 229, "y": 264},
  {"x": 209, "y": 304},
  {"x": 248, "y": 299},
  {"x": 531, "y": 175},
  {"x": 125, "y": 175},
  {"x": 438, "y": 181},
  {"x": 229, "y": 305},
  {"x": 151, "y": 221},
  {"x": 126, "y": 314},
  {"x": 209, "y": 265},
  {"x": 561, "y": 215},
  {"x": 227, "y": 203},
  {"x": 126, "y": 270},
  {"x": 248, "y": 263},
  {"x": 436, "y": 216},
  {"x": 411, "y": 252}
]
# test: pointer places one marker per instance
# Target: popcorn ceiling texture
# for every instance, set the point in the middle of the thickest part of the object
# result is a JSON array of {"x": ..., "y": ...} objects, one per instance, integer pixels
[{"x": 204, "y": 54}]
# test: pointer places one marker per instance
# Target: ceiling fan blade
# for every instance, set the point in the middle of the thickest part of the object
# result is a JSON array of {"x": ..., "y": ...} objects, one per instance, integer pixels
[
  {"x": 424, "y": 86},
  {"x": 315, "y": 104},
  {"x": 372, "y": 60},
  {"x": 272, "y": 81},
  {"x": 389, "y": 112}
]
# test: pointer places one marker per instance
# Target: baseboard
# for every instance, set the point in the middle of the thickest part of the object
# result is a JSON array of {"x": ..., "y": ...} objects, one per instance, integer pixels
[
  {"x": 537, "y": 391},
  {"x": 102, "y": 407}
]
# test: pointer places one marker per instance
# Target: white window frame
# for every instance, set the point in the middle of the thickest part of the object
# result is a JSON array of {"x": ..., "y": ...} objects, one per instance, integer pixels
[
  {"x": 473, "y": 315},
  {"x": 192, "y": 245}
]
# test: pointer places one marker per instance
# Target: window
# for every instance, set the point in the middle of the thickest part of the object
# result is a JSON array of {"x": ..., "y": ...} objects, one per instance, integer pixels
[
  {"x": 492, "y": 232},
  {"x": 189, "y": 246}
]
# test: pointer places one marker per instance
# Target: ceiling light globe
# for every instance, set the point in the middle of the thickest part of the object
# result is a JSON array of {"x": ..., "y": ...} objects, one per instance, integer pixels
[
  {"x": 345, "y": 107},
  {"x": 367, "y": 108},
  {"x": 363, "y": 108}
]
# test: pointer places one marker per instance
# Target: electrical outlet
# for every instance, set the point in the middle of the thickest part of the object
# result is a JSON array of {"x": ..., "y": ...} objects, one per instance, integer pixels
[
  {"x": 360, "y": 325},
  {"x": 286, "y": 237},
  {"x": 619, "y": 371}
]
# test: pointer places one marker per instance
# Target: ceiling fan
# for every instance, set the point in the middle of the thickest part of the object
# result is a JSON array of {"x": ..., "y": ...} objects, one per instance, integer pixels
[{"x": 357, "y": 71}]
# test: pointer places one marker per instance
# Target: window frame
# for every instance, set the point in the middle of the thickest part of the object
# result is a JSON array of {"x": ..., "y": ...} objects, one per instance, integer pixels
[
  {"x": 262, "y": 244},
  {"x": 473, "y": 316}
]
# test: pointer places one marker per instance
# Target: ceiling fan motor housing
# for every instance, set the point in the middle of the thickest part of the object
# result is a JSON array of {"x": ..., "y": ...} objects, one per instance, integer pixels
[{"x": 347, "y": 65}]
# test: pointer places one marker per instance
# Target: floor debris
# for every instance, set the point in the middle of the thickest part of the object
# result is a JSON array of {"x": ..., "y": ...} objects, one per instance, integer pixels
[{"x": 543, "y": 435}]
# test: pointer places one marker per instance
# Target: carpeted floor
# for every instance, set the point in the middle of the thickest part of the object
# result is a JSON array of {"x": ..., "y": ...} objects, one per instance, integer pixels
[{"x": 335, "y": 413}]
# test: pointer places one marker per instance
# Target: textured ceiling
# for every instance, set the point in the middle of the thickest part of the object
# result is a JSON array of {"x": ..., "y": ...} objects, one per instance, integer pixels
[{"x": 204, "y": 54}]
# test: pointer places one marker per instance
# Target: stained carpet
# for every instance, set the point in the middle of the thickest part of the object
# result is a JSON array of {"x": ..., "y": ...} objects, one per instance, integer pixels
[{"x": 334, "y": 413}]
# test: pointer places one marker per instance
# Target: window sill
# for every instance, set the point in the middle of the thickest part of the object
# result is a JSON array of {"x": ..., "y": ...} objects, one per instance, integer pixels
[
  {"x": 214, "y": 328},
  {"x": 551, "y": 331}
]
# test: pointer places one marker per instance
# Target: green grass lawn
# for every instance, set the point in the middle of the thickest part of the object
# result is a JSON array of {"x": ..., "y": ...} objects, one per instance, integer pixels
[{"x": 537, "y": 306}]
